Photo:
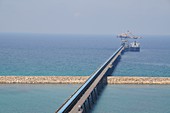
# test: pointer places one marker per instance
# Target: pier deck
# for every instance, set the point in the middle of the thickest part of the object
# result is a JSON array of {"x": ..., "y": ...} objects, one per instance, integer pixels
[{"x": 87, "y": 93}]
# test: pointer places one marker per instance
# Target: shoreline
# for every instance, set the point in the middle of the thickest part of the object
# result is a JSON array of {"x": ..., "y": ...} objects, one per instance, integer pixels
[{"x": 81, "y": 80}]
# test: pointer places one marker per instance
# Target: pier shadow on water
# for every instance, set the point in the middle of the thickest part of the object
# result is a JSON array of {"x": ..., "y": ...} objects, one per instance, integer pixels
[
  {"x": 90, "y": 105},
  {"x": 93, "y": 103}
]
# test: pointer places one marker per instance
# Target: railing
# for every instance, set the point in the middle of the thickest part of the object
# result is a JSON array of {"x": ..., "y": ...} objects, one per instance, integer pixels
[{"x": 68, "y": 105}]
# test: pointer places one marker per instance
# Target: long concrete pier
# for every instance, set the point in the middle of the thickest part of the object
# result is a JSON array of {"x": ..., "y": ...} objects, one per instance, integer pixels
[
  {"x": 83, "y": 99},
  {"x": 81, "y": 80}
]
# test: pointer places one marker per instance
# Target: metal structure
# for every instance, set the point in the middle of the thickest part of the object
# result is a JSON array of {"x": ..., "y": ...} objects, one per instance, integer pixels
[
  {"x": 127, "y": 35},
  {"x": 83, "y": 99},
  {"x": 134, "y": 46}
]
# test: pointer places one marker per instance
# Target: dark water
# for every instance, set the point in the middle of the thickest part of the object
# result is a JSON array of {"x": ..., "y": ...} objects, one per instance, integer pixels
[{"x": 26, "y": 54}]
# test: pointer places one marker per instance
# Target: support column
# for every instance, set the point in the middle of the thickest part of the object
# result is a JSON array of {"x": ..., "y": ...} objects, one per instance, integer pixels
[
  {"x": 85, "y": 109},
  {"x": 92, "y": 97},
  {"x": 89, "y": 102},
  {"x": 95, "y": 93}
]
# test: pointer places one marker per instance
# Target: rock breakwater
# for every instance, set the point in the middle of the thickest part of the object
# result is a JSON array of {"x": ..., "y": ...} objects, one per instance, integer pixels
[
  {"x": 43, "y": 79},
  {"x": 138, "y": 80},
  {"x": 80, "y": 80}
]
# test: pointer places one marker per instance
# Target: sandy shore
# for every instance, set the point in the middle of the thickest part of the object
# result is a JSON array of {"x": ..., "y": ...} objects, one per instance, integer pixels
[{"x": 80, "y": 80}]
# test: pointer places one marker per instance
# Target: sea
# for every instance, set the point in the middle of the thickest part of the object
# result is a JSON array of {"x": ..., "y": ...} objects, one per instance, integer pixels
[{"x": 24, "y": 54}]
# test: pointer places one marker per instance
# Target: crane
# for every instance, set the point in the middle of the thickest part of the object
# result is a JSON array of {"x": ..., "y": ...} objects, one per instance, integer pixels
[{"x": 129, "y": 35}]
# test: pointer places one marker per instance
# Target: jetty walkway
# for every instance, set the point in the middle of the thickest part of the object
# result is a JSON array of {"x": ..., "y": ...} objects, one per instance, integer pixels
[{"x": 83, "y": 99}]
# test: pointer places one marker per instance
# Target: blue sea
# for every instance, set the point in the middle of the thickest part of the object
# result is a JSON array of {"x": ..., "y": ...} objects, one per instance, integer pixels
[
  {"x": 31, "y": 98},
  {"x": 47, "y": 98},
  {"x": 134, "y": 99},
  {"x": 26, "y": 54},
  {"x": 81, "y": 55}
]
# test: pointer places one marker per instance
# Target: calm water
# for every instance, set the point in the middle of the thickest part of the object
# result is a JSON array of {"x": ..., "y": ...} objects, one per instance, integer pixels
[
  {"x": 53, "y": 55},
  {"x": 26, "y": 54},
  {"x": 114, "y": 99},
  {"x": 33, "y": 98},
  {"x": 147, "y": 62},
  {"x": 134, "y": 99}
]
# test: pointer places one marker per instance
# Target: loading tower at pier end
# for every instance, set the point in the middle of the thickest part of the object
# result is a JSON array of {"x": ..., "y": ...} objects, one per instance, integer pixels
[{"x": 129, "y": 46}]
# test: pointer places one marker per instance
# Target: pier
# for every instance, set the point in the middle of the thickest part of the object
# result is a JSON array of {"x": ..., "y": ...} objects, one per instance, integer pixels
[{"x": 84, "y": 98}]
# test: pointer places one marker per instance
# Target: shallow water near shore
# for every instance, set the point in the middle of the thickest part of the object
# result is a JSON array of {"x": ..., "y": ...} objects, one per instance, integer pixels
[
  {"x": 134, "y": 99},
  {"x": 47, "y": 98},
  {"x": 29, "y": 98}
]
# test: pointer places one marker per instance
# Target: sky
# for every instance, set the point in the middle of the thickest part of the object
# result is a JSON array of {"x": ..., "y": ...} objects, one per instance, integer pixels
[{"x": 148, "y": 17}]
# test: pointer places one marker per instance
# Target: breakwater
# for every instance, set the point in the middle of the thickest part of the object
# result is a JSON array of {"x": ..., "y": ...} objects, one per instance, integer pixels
[{"x": 80, "y": 80}]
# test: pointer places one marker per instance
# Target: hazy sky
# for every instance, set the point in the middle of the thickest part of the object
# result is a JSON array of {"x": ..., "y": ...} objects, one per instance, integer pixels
[{"x": 85, "y": 16}]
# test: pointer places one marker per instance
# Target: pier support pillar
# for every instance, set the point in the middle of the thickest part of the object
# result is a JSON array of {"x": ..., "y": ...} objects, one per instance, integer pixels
[
  {"x": 84, "y": 106},
  {"x": 89, "y": 103},
  {"x": 92, "y": 97},
  {"x": 95, "y": 93}
]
